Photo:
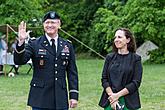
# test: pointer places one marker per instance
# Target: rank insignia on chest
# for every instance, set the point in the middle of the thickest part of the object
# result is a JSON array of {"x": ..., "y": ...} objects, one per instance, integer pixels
[
  {"x": 65, "y": 49},
  {"x": 42, "y": 52}
]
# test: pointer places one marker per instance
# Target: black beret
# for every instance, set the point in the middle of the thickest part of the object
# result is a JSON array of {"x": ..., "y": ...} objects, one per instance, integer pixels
[{"x": 51, "y": 15}]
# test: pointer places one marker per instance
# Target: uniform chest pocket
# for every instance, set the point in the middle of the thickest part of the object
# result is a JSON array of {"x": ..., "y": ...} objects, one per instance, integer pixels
[{"x": 42, "y": 60}]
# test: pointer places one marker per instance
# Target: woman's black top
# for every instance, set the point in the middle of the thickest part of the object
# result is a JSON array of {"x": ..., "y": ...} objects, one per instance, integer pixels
[{"x": 123, "y": 71}]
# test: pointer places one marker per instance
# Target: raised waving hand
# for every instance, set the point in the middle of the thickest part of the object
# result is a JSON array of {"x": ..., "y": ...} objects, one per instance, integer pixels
[{"x": 22, "y": 34}]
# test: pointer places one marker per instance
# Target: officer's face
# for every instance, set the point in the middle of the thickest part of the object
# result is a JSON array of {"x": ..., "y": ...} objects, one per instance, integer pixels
[{"x": 51, "y": 26}]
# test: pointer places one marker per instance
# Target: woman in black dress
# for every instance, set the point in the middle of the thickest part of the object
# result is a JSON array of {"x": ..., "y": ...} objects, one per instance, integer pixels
[{"x": 122, "y": 73}]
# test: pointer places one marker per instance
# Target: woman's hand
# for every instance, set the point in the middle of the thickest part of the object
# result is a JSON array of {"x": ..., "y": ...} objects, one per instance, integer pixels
[
  {"x": 113, "y": 105},
  {"x": 113, "y": 97}
]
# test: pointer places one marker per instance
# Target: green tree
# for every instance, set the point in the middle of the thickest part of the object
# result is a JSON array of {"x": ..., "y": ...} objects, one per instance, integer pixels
[
  {"x": 76, "y": 15},
  {"x": 104, "y": 25},
  {"x": 145, "y": 18},
  {"x": 14, "y": 11}
]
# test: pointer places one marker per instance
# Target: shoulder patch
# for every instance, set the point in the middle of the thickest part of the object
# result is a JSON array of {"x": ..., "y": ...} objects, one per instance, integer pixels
[{"x": 69, "y": 41}]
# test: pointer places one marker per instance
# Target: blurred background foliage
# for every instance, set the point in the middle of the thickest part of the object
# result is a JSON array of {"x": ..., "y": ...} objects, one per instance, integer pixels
[{"x": 94, "y": 21}]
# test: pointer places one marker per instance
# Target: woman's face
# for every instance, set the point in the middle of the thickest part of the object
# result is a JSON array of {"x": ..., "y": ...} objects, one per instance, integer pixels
[{"x": 121, "y": 40}]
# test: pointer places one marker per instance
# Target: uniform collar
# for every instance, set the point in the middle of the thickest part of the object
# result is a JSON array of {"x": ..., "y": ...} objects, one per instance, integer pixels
[{"x": 49, "y": 38}]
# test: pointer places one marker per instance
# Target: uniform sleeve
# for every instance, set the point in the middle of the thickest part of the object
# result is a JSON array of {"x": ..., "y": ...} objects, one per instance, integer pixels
[
  {"x": 72, "y": 75},
  {"x": 104, "y": 79},
  {"x": 137, "y": 76},
  {"x": 22, "y": 54}
]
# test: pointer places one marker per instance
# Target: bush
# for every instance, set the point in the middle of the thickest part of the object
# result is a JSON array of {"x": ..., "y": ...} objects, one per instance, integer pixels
[{"x": 157, "y": 56}]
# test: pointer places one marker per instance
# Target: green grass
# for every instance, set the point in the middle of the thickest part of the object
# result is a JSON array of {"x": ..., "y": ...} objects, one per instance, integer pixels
[{"x": 14, "y": 91}]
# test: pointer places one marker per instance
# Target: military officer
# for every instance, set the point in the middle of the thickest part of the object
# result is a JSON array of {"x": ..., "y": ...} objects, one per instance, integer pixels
[{"x": 53, "y": 60}]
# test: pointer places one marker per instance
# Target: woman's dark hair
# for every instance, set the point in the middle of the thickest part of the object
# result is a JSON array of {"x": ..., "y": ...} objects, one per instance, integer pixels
[{"x": 131, "y": 46}]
